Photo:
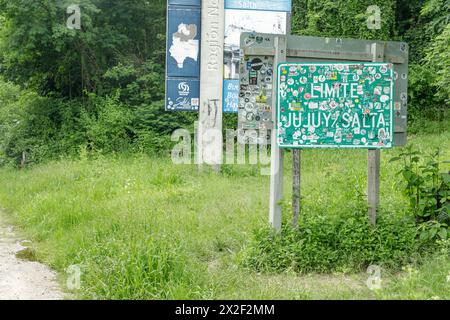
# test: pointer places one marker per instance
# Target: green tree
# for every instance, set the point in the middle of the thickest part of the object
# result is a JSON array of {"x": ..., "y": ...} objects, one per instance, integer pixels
[
  {"x": 438, "y": 60},
  {"x": 342, "y": 18}
]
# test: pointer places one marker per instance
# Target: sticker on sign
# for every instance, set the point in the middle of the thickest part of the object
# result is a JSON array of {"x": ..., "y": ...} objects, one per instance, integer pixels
[{"x": 335, "y": 105}]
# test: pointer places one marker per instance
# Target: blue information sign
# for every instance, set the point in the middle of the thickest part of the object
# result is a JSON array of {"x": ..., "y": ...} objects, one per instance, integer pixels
[
  {"x": 183, "y": 43},
  {"x": 183, "y": 94},
  {"x": 195, "y": 3},
  {"x": 262, "y": 5},
  {"x": 230, "y": 95},
  {"x": 183, "y": 55}
]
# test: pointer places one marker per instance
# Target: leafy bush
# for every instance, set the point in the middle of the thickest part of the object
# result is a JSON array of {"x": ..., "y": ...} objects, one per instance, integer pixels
[
  {"x": 429, "y": 36},
  {"x": 423, "y": 98},
  {"x": 341, "y": 18},
  {"x": 428, "y": 191},
  {"x": 106, "y": 123},
  {"x": 35, "y": 128},
  {"x": 345, "y": 243},
  {"x": 30, "y": 124},
  {"x": 438, "y": 59},
  {"x": 154, "y": 126}
]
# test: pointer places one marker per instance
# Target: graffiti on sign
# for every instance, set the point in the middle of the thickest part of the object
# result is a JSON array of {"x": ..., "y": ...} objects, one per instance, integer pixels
[{"x": 339, "y": 105}]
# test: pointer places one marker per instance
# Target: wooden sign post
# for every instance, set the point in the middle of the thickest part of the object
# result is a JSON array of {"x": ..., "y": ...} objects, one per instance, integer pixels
[
  {"x": 374, "y": 158},
  {"x": 331, "y": 93},
  {"x": 296, "y": 182}
]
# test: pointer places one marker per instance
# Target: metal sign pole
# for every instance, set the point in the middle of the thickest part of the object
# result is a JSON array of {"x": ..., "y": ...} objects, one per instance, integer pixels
[
  {"x": 374, "y": 158},
  {"x": 210, "y": 141},
  {"x": 277, "y": 162}
]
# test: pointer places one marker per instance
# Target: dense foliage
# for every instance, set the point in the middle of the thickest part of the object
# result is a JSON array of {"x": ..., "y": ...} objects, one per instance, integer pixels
[
  {"x": 98, "y": 89},
  {"x": 63, "y": 90},
  {"x": 346, "y": 242},
  {"x": 342, "y": 243},
  {"x": 428, "y": 190}
]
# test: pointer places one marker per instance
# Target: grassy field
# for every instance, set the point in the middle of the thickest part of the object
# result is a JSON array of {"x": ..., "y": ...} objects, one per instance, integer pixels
[{"x": 142, "y": 228}]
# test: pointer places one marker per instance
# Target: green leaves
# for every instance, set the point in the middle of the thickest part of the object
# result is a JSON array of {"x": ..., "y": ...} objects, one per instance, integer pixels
[
  {"x": 324, "y": 244},
  {"x": 433, "y": 230},
  {"x": 38, "y": 48},
  {"x": 342, "y": 18},
  {"x": 428, "y": 191},
  {"x": 443, "y": 233}
]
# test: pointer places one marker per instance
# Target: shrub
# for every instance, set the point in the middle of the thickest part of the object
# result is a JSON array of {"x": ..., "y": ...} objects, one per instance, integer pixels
[
  {"x": 30, "y": 125},
  {"x": 428, "y": 191},
  {"x": 35, "y": 128},
  {"x": 106, "y": 123},
  {"x": 438, "y": 59},
  {"x": 345, "y": 243}
]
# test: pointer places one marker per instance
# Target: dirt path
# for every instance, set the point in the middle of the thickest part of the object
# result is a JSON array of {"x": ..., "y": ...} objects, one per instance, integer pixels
[{"x": 22, "y": 279}]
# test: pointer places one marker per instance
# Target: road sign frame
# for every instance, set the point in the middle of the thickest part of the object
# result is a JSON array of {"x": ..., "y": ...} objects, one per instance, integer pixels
[
  {"x": 319, "y": 49},
  {"x": 314, "y": 49}
]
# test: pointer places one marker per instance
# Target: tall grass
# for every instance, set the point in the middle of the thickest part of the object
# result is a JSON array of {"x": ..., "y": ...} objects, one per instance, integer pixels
[{"x": 140, "y": 227}]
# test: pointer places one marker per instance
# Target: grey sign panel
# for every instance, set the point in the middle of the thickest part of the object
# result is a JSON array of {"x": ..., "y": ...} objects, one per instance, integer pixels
[
  {"x": 257, "y": 16},
  {"x": 257, "y": 73}
]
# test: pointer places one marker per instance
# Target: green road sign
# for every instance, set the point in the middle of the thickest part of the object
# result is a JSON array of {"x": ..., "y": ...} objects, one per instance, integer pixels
[{"x": 335, "y": 105}]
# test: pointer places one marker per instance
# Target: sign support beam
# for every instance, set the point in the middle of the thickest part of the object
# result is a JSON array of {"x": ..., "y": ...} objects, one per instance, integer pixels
[
  {"x": 373, "y": 184},
  {"x": 277, "y": 155},
  {"x": 296, "y": 164},
  {"x": 210, "y": 140},
  {"x": 296, "y": 178},
  {"x": 374, "y": 158}
]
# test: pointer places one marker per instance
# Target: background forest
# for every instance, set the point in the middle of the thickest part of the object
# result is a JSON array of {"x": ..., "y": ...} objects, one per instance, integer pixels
[{"x": 101, "y": 89}]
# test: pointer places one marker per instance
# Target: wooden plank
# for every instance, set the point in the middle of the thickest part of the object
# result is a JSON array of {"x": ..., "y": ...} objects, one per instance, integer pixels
[
  {"x": 373, "y": 184},
  {"x": 374, "y": 157},
  {"x": 277, "y": 161},
  {"x": 339, "y": 55},
  {"x": 259, "y": 51}
]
